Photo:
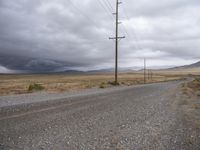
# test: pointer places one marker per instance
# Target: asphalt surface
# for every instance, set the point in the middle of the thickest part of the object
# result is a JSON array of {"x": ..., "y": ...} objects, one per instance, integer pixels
[{"x": 136, "y": 118}]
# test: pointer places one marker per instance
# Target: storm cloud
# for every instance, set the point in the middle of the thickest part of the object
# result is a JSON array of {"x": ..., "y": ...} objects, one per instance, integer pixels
[{"x": 51, "y": 35}]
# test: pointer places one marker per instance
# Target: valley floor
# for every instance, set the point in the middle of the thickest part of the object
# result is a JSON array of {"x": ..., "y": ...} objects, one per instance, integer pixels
[{"x": 142, "y": 117}]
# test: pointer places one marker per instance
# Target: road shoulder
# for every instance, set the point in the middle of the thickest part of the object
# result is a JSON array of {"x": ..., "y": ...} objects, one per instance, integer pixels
[{"x": 187, "y": 104}]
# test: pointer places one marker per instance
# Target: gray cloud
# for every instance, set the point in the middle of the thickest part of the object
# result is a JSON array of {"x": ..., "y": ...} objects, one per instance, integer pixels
[{"x": 49, "y": 35}]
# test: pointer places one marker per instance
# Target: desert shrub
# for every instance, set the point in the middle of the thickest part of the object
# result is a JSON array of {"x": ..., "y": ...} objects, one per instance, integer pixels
[
  {"x": 197, "y": 79},
  {"x": 102, "y": 85},
  {"x": 35, "y": 87},
  {"x": 113, "y": 83},
  {"x": 123, "y": 83}
]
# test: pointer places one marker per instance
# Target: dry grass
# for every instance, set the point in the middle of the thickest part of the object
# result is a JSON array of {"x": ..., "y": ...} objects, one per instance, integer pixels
[
  {"x": 191, "y": 102},
  {"x": 18, "y": 84},
  {"x": 188, "y": 71},
  {"x": 192, "y": 88}
]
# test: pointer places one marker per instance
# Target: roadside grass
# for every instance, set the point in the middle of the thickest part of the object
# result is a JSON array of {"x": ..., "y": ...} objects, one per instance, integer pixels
[
  {"x": 190, "y": 101},
  {"x": 186, "y": 90},
  {"x": 192, "y": 88},
  {"x": 18, "y": 84},
  {"x": 35, "y": 87},
  {"x": 102, "y": 85}
]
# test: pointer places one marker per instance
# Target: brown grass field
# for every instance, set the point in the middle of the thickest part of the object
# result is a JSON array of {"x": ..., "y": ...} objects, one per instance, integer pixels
[
  {"x": 190, "y": 103},
  {"x": 19, "y": 84}
]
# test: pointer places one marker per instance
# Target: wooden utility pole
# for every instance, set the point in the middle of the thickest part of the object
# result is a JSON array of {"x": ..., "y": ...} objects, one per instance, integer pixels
[
  {"x": 151, "y": 75},
  {"x": 116, "y": 40},
  {"x": 144, "y": 70}
]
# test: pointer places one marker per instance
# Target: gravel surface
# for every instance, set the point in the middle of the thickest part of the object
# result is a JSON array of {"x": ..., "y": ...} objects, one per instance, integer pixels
[
  {"x": 13, "y": 100},
  {"x": 136, "y": 118}
]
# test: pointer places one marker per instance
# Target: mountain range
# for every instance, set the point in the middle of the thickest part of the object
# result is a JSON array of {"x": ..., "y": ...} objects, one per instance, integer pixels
[
  {"x": 19, "y": 64},
  {"x": 195, "y": 65}
]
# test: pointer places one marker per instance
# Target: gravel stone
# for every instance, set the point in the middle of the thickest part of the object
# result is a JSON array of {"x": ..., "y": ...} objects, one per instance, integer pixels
[{"x": 123, "y": 118}]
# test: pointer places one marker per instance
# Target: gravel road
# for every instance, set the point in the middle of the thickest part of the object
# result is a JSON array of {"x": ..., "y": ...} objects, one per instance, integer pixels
[{"x": 136, "y": 118}]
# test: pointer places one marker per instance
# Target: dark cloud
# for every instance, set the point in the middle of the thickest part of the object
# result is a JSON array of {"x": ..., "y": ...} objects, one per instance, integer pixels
[
  {"x": 30, "y": 64},
  {"x": 45, "y": 35}
]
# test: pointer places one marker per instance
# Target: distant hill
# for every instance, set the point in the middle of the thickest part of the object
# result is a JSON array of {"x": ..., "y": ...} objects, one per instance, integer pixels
[
  {"x": 31, "y": 65},
  {"x": 109, "y": 70},
  {"x": 101, "y": 71},
  {"x": 72, "y": 72},
  {"x": 191, "y": 66},
  {"x": 195, "y": 65}
]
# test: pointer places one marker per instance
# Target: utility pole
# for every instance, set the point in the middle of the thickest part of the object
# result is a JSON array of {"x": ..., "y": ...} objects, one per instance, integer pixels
[
  {"x": 144, "y": 70},
  {"x": 149, "y": 74},
  {"x": 116, "y": 38}
]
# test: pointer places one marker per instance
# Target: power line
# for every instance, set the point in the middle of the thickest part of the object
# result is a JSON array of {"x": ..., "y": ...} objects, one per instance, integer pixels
[
  {"x": 82, "y": 13},
  {"x": 110, "y": 5},
  {"x": 125, "y": 12},
  {"x": 106, "y": 8},
  {"x": 144, "y": 70},
  {"x": 134, "y": 34},
  {"x": 90, "y": 20},
  {"x": 126, "y": 31}
]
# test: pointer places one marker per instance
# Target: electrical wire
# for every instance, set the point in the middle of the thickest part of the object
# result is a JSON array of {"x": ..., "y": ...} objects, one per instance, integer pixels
[
  {"x": 82, "y": 13},
  {"x": 106, "y": 8},
  {"x": 134, "y": 34},
  {"x": 109, "y": 5},
  {"x": 88, "y": 18}
]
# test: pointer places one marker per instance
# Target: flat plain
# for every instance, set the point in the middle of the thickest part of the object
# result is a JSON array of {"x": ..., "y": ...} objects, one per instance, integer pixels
[
  {"x": 156, "y": 116},
  {"x": 19, "y": 84},
  {"x": 153, "y": 116}
]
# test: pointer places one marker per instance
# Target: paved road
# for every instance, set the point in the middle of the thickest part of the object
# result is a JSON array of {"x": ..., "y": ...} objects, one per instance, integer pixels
[{"x": 138, "y": 118}]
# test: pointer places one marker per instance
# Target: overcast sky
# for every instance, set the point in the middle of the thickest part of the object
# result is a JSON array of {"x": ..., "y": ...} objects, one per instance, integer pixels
[{"x": 74, "y": 33}]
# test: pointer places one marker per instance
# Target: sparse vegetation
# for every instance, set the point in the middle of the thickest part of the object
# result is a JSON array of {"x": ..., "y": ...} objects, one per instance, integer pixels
[
  {"x": 113, "y": 83},
  {"x": 19, "y": 84},
  {"x": 192, "y": 87},
  {"x": 102, "y": 85},
  {"x": 35, "y": 87},
  {"x": 190, "y": 103}
]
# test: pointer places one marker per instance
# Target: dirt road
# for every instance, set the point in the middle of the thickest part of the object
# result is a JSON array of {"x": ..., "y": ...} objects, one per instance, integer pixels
[{"x": 135, "y": 118}]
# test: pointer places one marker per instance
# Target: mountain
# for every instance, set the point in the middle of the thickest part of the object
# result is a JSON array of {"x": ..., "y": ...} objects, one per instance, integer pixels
[
  {"x": 21, "y": 64},
  {"x": 72, "y": 72},
  {"x": 195, "y": 65},
  {"x": 109, "y": 70}
]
